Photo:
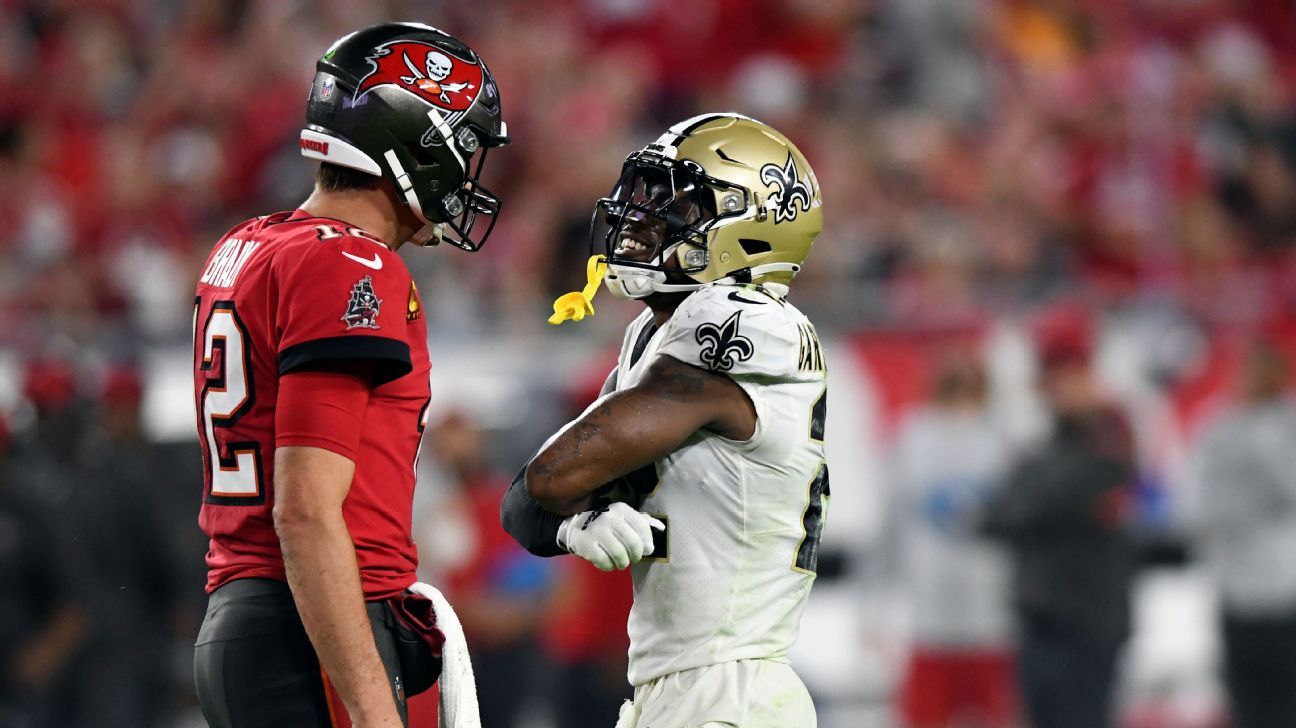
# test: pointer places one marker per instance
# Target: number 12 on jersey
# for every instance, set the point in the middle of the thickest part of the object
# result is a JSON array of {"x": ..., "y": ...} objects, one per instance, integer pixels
[{"x": 233, "y": 469}]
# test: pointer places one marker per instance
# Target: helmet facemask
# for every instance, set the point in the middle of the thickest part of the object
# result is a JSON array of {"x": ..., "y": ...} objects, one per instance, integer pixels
[
  {"x": 653, "y": 227},
  {"x": 465, "y": 217}
]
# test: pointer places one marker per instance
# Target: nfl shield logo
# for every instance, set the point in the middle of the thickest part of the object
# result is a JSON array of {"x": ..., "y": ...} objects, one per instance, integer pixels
[{"x": 326, "y": 89}]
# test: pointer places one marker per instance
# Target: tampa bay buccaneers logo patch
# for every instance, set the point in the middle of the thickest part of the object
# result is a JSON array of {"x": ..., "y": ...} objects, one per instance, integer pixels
[
  {"x": 363, "y": 306},
  {"x": 430, "y": 73},
  {"x": 723, "y": 346},
  {"x": 791, "y": 195}
]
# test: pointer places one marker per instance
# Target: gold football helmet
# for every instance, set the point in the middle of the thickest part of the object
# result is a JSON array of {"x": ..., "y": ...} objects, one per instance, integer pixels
[{"x": 719, "y": 197}]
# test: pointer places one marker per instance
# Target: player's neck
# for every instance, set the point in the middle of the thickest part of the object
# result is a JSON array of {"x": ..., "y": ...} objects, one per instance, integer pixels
[
  {"x": 373, "y": 211},
  {"x": 663, "y": 306}
]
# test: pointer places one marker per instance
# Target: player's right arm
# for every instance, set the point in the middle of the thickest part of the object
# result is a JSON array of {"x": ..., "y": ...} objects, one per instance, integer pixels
[
  {"x": 621, "y": 432},
  {"x": 319, "y": 559},
  {"x": 317, "y": 409},
  {"x": 635, "y": 427},
  {"x": 328, "y": 364},
  {"x": 534, "y": 528}
]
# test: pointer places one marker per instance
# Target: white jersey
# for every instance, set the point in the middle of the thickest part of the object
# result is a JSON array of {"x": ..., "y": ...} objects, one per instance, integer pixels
[{"x": 731, "y": 574}]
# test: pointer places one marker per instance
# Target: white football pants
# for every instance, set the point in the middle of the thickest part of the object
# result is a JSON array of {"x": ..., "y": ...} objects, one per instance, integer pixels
[{"x": 739, "y": 694}]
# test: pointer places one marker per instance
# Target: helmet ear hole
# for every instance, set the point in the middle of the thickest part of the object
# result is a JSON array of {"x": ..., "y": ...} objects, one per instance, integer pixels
[{"x": 754, "y": 247}]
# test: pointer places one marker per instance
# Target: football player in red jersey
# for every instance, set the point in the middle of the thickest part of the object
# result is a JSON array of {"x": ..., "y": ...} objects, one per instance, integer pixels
[{"x": 311, "y": 385}]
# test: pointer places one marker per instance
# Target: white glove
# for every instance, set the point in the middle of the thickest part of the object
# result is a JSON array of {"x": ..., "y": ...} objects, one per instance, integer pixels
[{"x": 610, "y": 538}]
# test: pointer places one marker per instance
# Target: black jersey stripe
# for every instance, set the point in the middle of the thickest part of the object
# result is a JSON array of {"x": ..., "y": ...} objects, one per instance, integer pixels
[
  {"x": 641, "y": 343},
  {"x": 391, "y": 357}
]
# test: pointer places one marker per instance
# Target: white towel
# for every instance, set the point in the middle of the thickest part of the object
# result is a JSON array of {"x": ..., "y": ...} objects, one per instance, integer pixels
[{"x": 458, "y": 700}]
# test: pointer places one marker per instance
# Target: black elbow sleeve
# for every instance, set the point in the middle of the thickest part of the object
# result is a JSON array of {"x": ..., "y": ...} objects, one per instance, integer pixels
[{"x": 529, "y": 524}]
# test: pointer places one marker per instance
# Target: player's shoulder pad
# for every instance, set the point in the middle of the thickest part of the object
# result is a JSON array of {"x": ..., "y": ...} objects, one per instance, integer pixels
[
  {"x": 735, "y": 329},
  {"x": 243, "y": 226},
  {"x": 361, "y": 249},
  {"x": 323, "y": 252}
]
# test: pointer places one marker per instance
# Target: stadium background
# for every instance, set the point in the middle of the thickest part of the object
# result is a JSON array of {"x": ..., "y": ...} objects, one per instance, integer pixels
[{"x": 989, "y": 168}]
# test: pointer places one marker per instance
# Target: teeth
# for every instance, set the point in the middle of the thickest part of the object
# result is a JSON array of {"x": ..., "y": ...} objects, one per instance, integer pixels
[{"x": 628, "y": 244}]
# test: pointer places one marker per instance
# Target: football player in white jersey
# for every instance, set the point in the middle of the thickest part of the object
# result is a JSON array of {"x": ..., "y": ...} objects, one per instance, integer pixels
[{"x": 702, "y": 464}]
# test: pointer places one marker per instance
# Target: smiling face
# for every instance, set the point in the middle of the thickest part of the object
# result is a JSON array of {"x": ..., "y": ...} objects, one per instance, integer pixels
[
  {"x": 643, "y": 235},
  {"x": 650, "y": 209}
]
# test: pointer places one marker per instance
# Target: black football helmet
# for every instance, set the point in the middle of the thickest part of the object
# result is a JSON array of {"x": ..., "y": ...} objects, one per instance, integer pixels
[{"x": 416, "y": 105}]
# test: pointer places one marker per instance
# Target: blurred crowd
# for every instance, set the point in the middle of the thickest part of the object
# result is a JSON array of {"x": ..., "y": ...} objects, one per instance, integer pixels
[
  {"x": 97, "y": 570},
  {"x": 975, "y": 157},
  {"x": 981, "y": 161},
  {"x": 1018, "y": 557}
]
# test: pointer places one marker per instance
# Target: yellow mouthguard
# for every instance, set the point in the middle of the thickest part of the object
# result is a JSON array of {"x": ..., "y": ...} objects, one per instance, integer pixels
[{"x": 577, "y": 305}]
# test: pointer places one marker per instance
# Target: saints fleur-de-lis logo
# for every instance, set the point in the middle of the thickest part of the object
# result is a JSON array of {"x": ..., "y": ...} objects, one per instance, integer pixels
[
  {"x": 722, "y": 346},
  {"x": 790, "y": 192}
]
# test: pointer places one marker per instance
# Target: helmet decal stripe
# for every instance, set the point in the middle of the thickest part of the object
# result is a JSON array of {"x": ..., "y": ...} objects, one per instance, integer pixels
[{"x": 686, "y": 127}]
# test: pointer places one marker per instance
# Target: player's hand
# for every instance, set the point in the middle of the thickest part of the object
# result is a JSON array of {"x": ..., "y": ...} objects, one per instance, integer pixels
[{"x": 610, "y": 538}]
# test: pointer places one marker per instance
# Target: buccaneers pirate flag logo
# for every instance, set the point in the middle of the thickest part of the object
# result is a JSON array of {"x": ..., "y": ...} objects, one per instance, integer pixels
[
  {"x": 363, "y": 306},
  {"x": 431, "y": 73}
]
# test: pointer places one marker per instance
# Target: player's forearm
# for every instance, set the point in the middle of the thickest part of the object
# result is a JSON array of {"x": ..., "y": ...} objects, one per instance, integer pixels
[
  {"x": 627, "y": 431},
  {"x": 564, "y": 493},
  {"x": 320, "y": 561},
  {"x": 563, "y": 487}
]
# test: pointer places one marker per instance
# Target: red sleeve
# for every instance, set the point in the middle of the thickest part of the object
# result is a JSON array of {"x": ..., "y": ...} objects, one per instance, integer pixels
[
  {"x": 323, "y": 409},
  {"x": 343, "y": 299}
]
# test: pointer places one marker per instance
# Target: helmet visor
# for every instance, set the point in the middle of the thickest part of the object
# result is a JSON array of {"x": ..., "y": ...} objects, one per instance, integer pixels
[{"x": 656, "y": 204}]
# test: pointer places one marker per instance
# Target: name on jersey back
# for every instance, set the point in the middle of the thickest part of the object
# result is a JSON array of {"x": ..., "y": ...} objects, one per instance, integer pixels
[{"x": 226, "y": 263}]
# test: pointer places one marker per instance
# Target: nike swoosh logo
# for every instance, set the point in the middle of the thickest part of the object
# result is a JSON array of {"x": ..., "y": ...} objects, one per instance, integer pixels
[
  {"x": 375, "y": 264},
  {"x": 733, "y": 296}
]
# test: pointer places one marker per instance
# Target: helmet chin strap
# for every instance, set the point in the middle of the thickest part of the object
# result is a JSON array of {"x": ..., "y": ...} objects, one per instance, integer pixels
[
  {"x": 634, "y": 283},
  {"x": 428, "y": 235},
  {"x": 432, "y": 232}
]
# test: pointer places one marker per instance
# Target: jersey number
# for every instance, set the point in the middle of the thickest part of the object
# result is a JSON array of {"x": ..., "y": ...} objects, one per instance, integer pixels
[
  {"x": 233, "y": 469},
  {"x": 812, "y": 520}
]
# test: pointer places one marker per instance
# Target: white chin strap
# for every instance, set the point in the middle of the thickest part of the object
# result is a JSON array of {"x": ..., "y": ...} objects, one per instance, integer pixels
[
  {"x": 625, "y": 281},
  {"x": 432, "y": 232},
  {"x": 428, "y": 235}
]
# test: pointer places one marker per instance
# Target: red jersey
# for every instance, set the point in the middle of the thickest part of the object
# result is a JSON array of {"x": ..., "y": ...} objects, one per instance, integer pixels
[{"x": 279, "y": 293}]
